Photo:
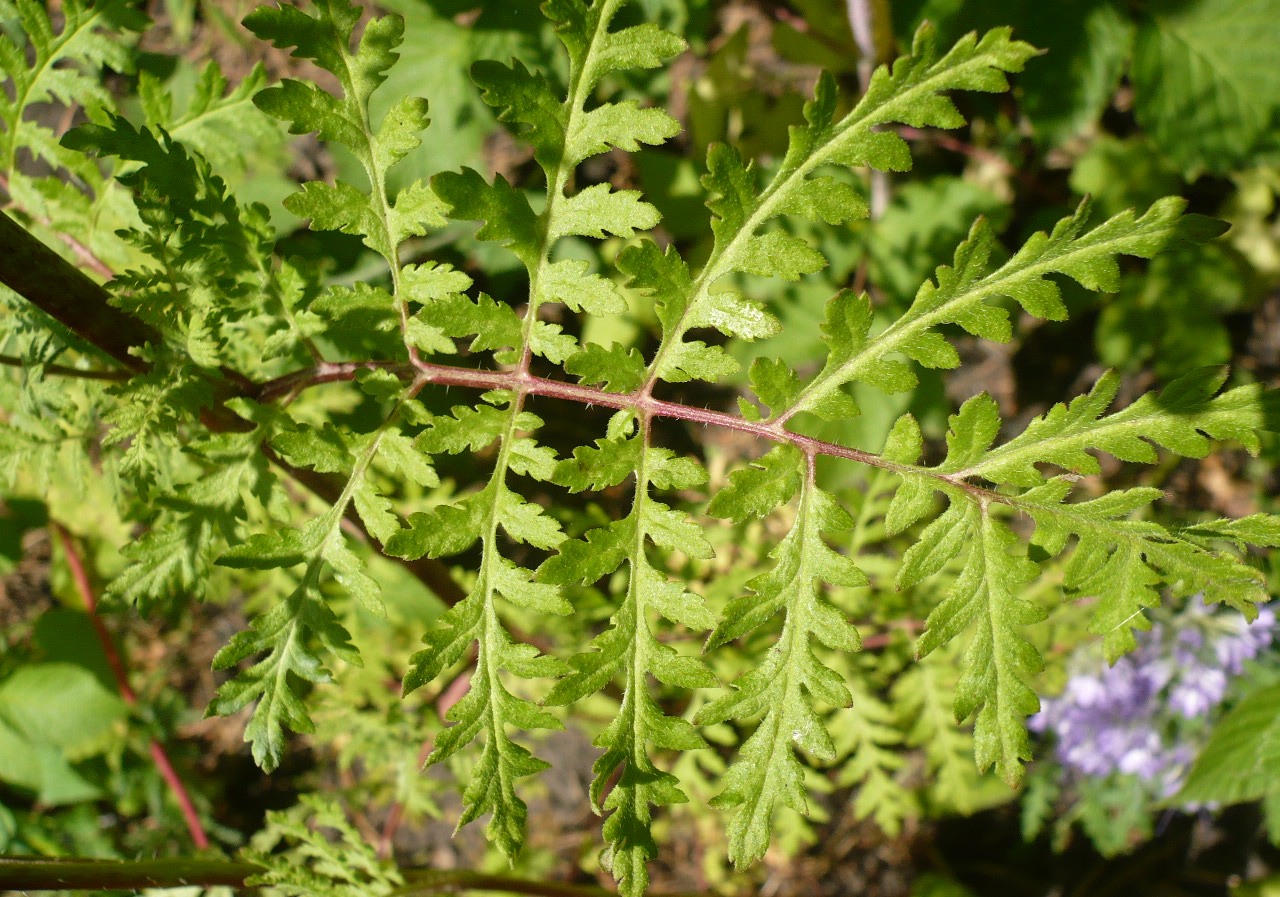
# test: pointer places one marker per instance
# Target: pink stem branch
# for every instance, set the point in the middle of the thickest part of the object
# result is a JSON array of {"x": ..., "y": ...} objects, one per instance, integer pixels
[
  {"x": 643, "y": 403},
  {"x": 163, "y": 764}
]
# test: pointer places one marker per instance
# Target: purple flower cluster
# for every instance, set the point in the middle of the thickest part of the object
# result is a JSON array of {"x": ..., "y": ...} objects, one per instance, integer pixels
[{"x": 1124, "y": 718}]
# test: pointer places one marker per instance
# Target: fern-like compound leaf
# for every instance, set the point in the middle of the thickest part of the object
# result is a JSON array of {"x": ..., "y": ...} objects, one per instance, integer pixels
[
  {"x": 963, "y": 290},
  {"x": 784, "y": 690},
  {"x": 296, "y": 635},
  {"x": 325, "y": 38},
  {"x": 489, "y": 706},
  {"x": 174, "y": 559},
  {"x": 322, "y": 855},
  {"x": 912, "y": 93},
  {"x": 60, "y": 65},
  {"x": 205, "y": 274},
  {"x": 629, "y": 649},
  {"x": 998, "y": 662},
  {"x": 1123, "y": 561},
  {"x": 1182, "y": 418},
  {"x": 868, "y": 743}
]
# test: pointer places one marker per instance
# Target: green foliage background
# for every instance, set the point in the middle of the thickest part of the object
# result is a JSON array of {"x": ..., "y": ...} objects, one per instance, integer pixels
[{"x": 177, "y": 176}]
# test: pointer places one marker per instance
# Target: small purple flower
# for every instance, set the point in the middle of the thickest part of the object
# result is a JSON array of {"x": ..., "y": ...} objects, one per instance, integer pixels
[
  {"x": 1123, "y": 718},
  {"x": 1198, "y": 692},
  {"x": 1143, "y": 757},
  {"x": 1244, "y": 641}
]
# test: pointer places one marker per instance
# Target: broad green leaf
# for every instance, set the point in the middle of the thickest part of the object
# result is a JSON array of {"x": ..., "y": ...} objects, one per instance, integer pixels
[
  {"x": 1205, "y": 81},
  {"x": 60, "y": 705},
  {"x": 1242, "y": 759}
]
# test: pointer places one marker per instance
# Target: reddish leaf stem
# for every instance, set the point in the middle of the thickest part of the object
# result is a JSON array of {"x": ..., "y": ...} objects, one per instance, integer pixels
[
  {"x": 158, "y": 754},
  {"x": 640, "y": 401}
]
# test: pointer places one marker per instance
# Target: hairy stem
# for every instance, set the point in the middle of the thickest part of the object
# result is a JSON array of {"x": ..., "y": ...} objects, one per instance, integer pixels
[{"x": 76, "y": 873}]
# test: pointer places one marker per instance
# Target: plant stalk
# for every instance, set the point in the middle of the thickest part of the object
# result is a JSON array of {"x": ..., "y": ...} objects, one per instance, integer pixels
[
  {"x": 23, "y": 873},
  {"x": 69, "y": 296},
  {"x": 78, "y": 874},
  {"x": 159, "y": 756}
]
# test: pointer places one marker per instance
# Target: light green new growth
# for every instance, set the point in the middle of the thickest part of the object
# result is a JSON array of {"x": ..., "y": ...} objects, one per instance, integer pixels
[
  {"x": 240, "y": 335},
  {"x": 313, "y": 861}
]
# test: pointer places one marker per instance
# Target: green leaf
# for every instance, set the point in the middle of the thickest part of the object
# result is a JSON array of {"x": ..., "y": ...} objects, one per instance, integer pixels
[
  {"x": 754, "y": 491},
  {"x": 309, "y": 108},
  {"x": 349, "y": 570},
  {"x": 1242, "y": 758},
  {"x": 570, "y": 282},
  {"x": 60, "y": 705},
  {"x": 398, "y": 453},
  {"x": 325, "y": 38},
  {"x": 494, "y": 325},
  {"x": 468, "y": 430},
  {"x": 599, "y": 210},
  {"x": 401, "y": 132},
  {"x": 623, "y": 125},
  {"x": 1122, "y": 561},
  {"x": 999, "y": 662},
  {"x": 417, "y": 210},
  {"x": 488, "y": 706},
  {"x": 866, "y": 737},
  {"x": 63, "y": 65},
  {"x": 1182, "y": 418},
  {"x": 313, "y": 849},
  {"x": 296, "y": 634},
  {"x": 774, "y": 381},
  {"x": 628, "y": 648},
  {"x": 617, "y": 368},
  {"x": 525, "y": 98},
  {"x": 340, "y": 207},
  {"x": 607, "y": 464},
  {"x": 962, "y": 290},
  {"x": 443, "y": 531},
  {"x": 525, "y": 521},
  {"x": 324, "y": 450},
  {"x": 173, "y": 560},
  {"x": 1256, "y": 529},
  {"x": 971, "y": 432},
  {"x": 506, "y": 214},
  {"x": 786, "y": 687},
  {"x": 909, "y": 93},
  {"x": 267, "y": 551},
  {"x": 1205, "y": 82}
]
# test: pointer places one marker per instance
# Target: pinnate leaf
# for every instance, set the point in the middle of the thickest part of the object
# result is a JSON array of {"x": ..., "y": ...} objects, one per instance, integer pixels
[
  {"x": 999, "y": 661},
  {"x": 792, "y": 680}
]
